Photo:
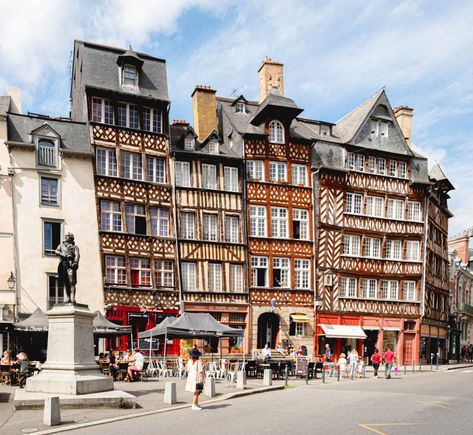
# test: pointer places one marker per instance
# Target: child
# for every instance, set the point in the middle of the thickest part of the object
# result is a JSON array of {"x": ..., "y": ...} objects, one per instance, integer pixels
[{"x": 396, "y": 366}]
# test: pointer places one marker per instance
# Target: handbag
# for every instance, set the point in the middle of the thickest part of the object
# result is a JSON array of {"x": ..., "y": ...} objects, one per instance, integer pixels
[{"x": 199, "y": 386}]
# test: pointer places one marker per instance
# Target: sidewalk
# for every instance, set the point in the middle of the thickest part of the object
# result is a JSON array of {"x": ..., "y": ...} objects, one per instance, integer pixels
[{"x": 426, "y": 367}]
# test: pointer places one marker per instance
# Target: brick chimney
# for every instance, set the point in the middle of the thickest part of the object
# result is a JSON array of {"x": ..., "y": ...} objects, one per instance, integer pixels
[
  {"x": 204, "y": 110},
  {"x": 461, "y": 245},
  {"x": 270, "y": 78},
  {"x": 404, "y": 118},
  {"x": 15, "y": 100}
]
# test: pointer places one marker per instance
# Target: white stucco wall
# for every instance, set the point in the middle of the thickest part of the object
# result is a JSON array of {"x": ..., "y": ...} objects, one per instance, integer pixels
[{"x": 77, "y": 211}]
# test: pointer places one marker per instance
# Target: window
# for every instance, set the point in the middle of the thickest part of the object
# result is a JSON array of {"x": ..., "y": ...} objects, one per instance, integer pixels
[
  {"x": 188, "y": 277},
  {"x": 164, "y": 273},
  {"x": 213, "y": 146},
  {"x": 413, "y": 211},
  {"x": 189, "y": 142},
  {"x": 351, "y": 245},
  {"x": 106, "y": 162},
  {"x": 209, "y": 176},
  {"x": 133, "y": 117},
  {"x": 254, "y": 169},
  {"x": 127, "y": 116},
  {"x": 300, "y": 224},
  {"x": 131, "y": 165},
  {"x": 230, "y": 179},
  {"x": 412, "y": 250},
  {"x": 369, "y": 288},
  {"x": 395, "y": 209},
  {"x": 152, "y": 120},
  {"x": 379, "y": 128},
  {"x": 373, "y": 127},
  {"x": 240, "y": 107},
  {"x": 159, "y": 221},
  {"x": 279, "y": 222},
  {"x": 276, "y": 132},
  {"x": 232, "y": 229},
  {"x": 389, "y": 289},
  {"x": 299, "y": 175},
  {"x": 210, "y": 227},
  {"x": 296, "y": 328},
  {"x": 393, "y": 249},
  {"x": 115, "y": 271},
  {"x": 110, "y": 216},
  {"x": 372, "y": 247},
  {"x": 215, "y": 277},
  {"x": 348, "y": 287},
  {"x": 281, "y": 272},
  {"x": 402, "y": 169},
  {"x": 374, "y": 206},
  {"x": 236, "y": 278},
  {"x": 130, "y": 75},
  {"x": 140, "y": 272},
  {"x": 409, "y": 290},
  {"x": 102, "y": 111},
  {"x": 55, "y": 291},
  {"x": 183, "y": 177},
  {"x": 392, "y": 168},
  {"x": 383, "y": 128},
  {"x": 353, "y": 203},
  {"x": 350, "y": 161},
  {"x": 51, "y": 237},
  {"x": 155, "y": 170},
  {"x": 46, "y": 153},
  {"x": 360, "y": 162},
  {"x": 381, "y": 166},
  {"x": 257, "y": 221},
  {"x": 187, "y": 225},
  {"x": 325, "y": 130},
  {"x": 372, "y": 164},
  {"x": 259, "y": 271},
  {"x": 135, "y": 219},
  {"x": 301, "y": 273},
  {"x": 277, "y": 171},
  {"x": 122, "y": 115},
  {"x": 49, "y": 191}
]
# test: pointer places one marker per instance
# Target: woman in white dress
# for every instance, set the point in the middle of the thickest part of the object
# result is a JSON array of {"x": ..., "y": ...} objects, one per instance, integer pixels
[{"x": 195, "y": 377}]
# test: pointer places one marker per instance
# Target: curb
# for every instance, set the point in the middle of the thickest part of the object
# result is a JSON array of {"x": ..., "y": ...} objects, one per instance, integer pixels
[{"x": 227, "y": 396}]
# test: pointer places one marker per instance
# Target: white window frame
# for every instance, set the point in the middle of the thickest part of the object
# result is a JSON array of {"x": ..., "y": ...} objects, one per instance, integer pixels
[
  {"x": 351, "y": 245},
  {"x": 299, "y": 175},
  {"x": 283, "y": 264},
  {"x": 414, "y": 211},
  {"x": 49, "y": 198},
  {"x": 402, "y": 169},
  {"x": 409, "y": 290},
  {"x": 160, "y": 221},
  {"x": 301, "y": 216},
  {"x": 47, "y": 153},
  {"x": 279, "y": 220},
  {"x": 182, "y": 174},
  {"x": 115, "y": 270},
  {"x": 393, "y": 250},
  {"x": 209, "y": 176},
  {"x": 110, "y": 216},
  {"x": 277, "y": 172},
  {"x": 258, "y": 221},
  {"x": 213, "y": 146},
  {"x": 188, "y": 274},
  {"x": 381, "y": 166},
  {"x": 128, "y": 109},
  {"x": 353, "y": 203},
  {"x": 215, "y": 277},
  {"x": 412, "y": 250},
  {"x": 164, "y": 273},
  {"x": 232, "y": 229},
  {"x": 129, "y": 68},
  {"x": 389, "y": 290},
  {"x": 348, "y": 287},
  {"x": 189, "y": 142},
  {"x": 276, "y": 132},
  {"x": 259, "y": 263},
  {"x": 99, "y": 112},
  {"x": 153, "y": 116},
  {"x": 143, "y": 267},
  {"x": 360, "y": 163},
  {"x": 301, "y": 273},
  {"x": 230, "y": 179},
  {"x": 372, "y": 166},
  {"x": 372, "y": 247},
  {"x": 350, "y": 161},
  {"x": 369, "y": 288},
  {"x": 131, "y": 212},
  {"x": 392, "y": 169},
  {"x": 240, "y": 107},
  {"x": 395, "y": 209},
  {"x": 374, "y": 206},
  {"x": 132, "y": 165},
  {"x": 236, "y": 278},
  {"x": 109, "y": 160},
  {"x": 156, "y": 169},
  {"x": 255, "y": 170},
  {"x": 210, "y": 227},
  {"x": 187, "y": 225}
]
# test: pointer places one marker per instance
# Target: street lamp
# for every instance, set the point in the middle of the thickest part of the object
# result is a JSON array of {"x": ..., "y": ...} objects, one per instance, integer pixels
[{"x": 11, "y": 281}]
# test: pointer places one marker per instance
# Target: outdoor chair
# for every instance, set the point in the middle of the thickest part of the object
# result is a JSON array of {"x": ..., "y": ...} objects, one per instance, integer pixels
[
  {"x": 223, "y": 369},
  {"x": 212, "y": 370},
  {"x": 142, "y": 373},
  {"x": 181, "y": 368},
  {"x": 105, "y": 369},
  {"x": 274, "y": 366},
  {"x": 122, "y": 371},
  {"x": 163, "y": 370},
  {"x": 152, "y": 370},
  {"x": 6, "y": 374},
  {"x": 251, "y": 369},
  {"x": 232, "y": 372}
]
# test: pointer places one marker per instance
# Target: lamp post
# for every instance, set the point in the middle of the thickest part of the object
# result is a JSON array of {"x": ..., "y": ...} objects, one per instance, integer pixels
[{"x": 11, "y": 281}]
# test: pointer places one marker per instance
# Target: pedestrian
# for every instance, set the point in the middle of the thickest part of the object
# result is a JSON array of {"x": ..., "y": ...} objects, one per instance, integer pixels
[
  {"x": 470, "y": 352},
  {"x": 24, "y": 372},
  {"x": 342, "y": 365},
  {"x": 463, "y": 353},
  {"x": 266, "y": 352},
  {"x": 328, "y": 352},
  {"x": 388, "y": 360},
  {"x": 353, "y": 361},
  {"x": 195, "y": 377},
  {"x": 376, "y": 360},
  {"x": 137, "y": 362}
]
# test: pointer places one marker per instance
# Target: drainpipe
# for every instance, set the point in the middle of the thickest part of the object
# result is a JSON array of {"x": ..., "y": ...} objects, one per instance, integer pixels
[
  {"x": 315, "y": 195},
  {"x": 17, "y": 307},
  {"x": 424, "y": 261},
  {"x": 245, "y": 241}
]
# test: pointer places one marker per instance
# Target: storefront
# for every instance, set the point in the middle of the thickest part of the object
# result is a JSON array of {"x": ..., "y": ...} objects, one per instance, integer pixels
[{"x": 433, "y": 344}]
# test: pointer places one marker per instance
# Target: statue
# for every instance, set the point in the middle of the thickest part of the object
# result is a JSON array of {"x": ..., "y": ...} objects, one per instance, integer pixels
[{"x": 68, "y": 265}]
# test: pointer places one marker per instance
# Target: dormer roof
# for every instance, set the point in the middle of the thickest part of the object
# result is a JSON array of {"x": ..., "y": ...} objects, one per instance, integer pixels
[
  {"x": 130, "y": 57},
  {"x": 437, "y": 176},
  {"x": 276, "y": 106}
]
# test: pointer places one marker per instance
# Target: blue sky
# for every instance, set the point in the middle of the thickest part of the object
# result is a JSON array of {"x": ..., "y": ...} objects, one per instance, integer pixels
[{"x": 335, "y": 54}]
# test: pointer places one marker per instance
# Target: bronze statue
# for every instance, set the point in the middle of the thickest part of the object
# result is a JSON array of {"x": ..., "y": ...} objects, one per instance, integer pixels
[{"x": 67, "y": 269}]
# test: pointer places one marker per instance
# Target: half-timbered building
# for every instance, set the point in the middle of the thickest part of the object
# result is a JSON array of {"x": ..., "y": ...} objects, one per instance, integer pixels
[
  {"x": 278, "y": 199},
  {"x": 370, "y": 213},
  {"x": 123, "y": 97},
  {"x": 211, "y": 232}
]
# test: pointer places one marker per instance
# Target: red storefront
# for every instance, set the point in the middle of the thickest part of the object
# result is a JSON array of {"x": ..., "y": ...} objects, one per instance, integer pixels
[
  {"x": 401, "y": 334},
  {"x": 140, "y": 320}
]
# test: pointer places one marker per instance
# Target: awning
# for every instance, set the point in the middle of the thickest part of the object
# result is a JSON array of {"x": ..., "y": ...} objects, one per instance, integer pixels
[
  {"x": 300, "y": 318},
  {"x": 343, "y": 331}
]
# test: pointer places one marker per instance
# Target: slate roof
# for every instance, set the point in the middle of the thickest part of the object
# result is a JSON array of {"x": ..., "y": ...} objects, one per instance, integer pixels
[
  {"x": 4, "y": 104},
  {"x": 100, "y": 71},
  {"x": 74, "y": 135},
  {"x": 437, "y": 175},
  {"x": 275, "y": 102}
]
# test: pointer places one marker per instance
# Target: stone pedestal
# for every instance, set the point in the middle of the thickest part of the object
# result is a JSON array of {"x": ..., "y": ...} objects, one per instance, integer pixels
[
  {"x": 241, "y": 380},
  {"x": 268, "y": 377},
  {"x": 209, "y": 387},
  {"x": 170, "y": 394},
  {"x": 52, "y": 411},
  {"x": 70, "y": 367}
]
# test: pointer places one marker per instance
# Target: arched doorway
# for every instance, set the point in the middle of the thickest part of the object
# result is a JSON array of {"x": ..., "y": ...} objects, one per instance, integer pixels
[{"x": 268, "y": 328}]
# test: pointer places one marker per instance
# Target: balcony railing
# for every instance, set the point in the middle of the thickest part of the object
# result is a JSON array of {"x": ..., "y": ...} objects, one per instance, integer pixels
[{"x": 467, "y": 309}]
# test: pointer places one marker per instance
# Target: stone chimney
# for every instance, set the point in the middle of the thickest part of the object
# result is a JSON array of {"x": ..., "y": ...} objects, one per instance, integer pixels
[
  {"x": 270, "y": 78},
  {"x": 204, "y": 110},
  {"x": 15, "y": 100},
  {"x": 404, "y": 118}
]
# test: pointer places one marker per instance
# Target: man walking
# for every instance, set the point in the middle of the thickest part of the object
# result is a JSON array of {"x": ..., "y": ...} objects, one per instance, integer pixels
[
  {"x": 328, "y": 351},
  {"x": 388, "y": 360}
]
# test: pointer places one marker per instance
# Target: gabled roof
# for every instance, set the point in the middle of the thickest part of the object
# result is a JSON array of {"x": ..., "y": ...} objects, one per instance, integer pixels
[
  {"x": 276, "y": 105},
  {"x": 240, "y": 98},
  {"x": 437, "y": 175}
]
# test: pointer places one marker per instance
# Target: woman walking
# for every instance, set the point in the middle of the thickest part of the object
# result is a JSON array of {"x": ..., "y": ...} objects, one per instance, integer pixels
[
  {"x": 195, "y": 377},
  {"x": 353, "y": 360},
  {"x": 376, "y": 360}
]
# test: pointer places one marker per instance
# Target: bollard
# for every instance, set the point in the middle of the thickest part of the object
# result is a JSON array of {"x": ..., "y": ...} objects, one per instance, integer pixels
[
  {"x": 323, "y": 374},
  {"x": 437, "y": 361},
  {"x": 170, "y": 396},
  {"x": 431, "y": 361},
  {"x": 338, "y": 374},
  {"x": 364, "y": 372},
  {"x": 352, "y": 372},
  {"x": 307, "y": 375},
  {"x": 286, "y": 375},
  {"x": 209, "y": 387},
  {"x": 268, "y": 377},
  {"x": 241, "y": 380},
  {"x": 52, "y": 411}
]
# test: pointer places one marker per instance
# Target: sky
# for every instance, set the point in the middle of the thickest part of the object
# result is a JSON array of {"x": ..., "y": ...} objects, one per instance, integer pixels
[{"x": 336, "y": 54}]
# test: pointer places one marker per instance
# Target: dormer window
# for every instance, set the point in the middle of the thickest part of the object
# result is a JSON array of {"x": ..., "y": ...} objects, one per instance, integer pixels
[
  {"x": 46, "y": 153},
  {"x": 324, "y": 130},
  {"x": 379, "y": 128},
  {"x": 130, "y": 75},
  {"x": 276, "y": 132},
  {"x": 240, "y": 107},
  {"x": 189, "y": 143},
  {"x": 213, "y": 146}
]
